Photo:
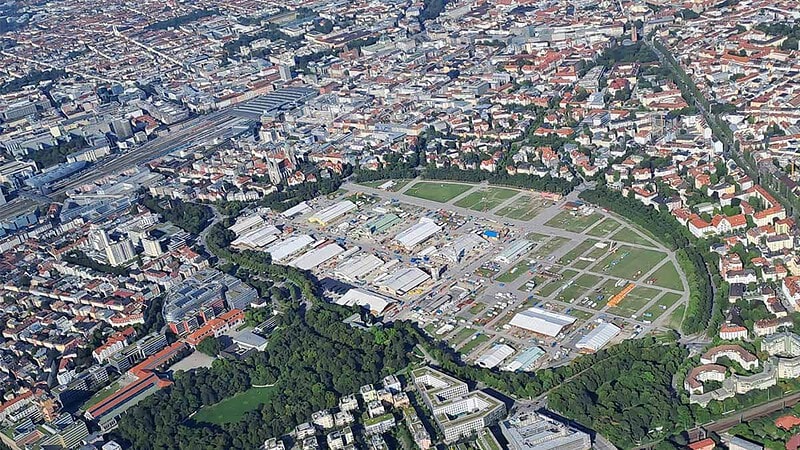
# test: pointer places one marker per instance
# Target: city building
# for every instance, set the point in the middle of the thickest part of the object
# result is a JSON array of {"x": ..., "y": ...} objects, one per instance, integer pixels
[
  {"x": 534, "y": 431},
  {"x": 457, "y": 412}
]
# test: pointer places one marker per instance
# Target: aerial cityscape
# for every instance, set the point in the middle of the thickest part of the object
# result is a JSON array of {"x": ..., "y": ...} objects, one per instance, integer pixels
[{"x": 400, "y": 224}]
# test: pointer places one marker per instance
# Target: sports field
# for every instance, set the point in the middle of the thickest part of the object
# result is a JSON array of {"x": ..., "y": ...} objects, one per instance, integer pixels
[
  {"x": 603, "y": 228},
  {"x": 576, "y": 223},
  {"x": 437, "y": 192},
  {"x": 525, "y": 207},
  {"x": 667, "y": 276},
  {"x": 486, "y": 199},
  {"x": 232, "y": 409},
  {"x": 629, "y": 262}
]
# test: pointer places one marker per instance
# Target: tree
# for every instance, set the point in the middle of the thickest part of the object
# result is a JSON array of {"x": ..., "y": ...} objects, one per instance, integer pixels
[{"x": 210, "y": 346}]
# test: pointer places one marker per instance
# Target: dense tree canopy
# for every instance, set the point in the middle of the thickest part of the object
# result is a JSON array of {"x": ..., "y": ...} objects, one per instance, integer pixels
[
  {"x": 546, "y": 184},
  {"x": 191, "y": 217}
]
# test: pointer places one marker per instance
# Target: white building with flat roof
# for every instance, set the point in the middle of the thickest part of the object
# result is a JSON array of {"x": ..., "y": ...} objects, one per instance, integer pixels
[
  {"x": 288, "y": 247},
  {"x": 533, "y": 431},
  {"x": 457, "y": 412},
  {"x": 514, "y": 251},
  {"x": 403, "y": 280},
  {"x": 598, "y": 338},
  {"x": 327, "y": 215},
  {"x": 296, "y": 210},
  {"x": 494, "y": 356},
  {"x": 317, "y": 256},
  {"x": 358, "y": 266},
  {"x": 376, "y": 303},
  {"x": 541, "y": 321},
  {"x": 417, "y": 233}
]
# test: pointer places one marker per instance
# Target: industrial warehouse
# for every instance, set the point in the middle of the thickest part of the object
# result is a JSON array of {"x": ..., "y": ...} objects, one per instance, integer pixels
[{"x": 504, "y": 295}]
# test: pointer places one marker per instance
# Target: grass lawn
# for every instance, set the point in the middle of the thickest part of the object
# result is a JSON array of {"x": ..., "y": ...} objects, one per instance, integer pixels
[
  {"x": 232, "y": 409},
  {"x": 514, "y": 272},
  {"x": 486, "y": 199},
  {"x": 549, "y": 247},
  {"x": 575, "y": 223},
  {"x": 627, "y": 235},
  {"x": 579, "y": 250},
  {"x": 676, "y": 318},
  {"x": 398, "y": 184},
  {"x": 667, "y": 276},
  {"x": 581, "y": 284},
  {"x": 580, "y": 314},
  {"x": 536, "y": 237},
  {"x": 603, "y": 228},
  {"x": 598, "y": 252},
  {"x": 101, "y": 395},
  {"x": 462, "y": 334},
  {"x": 553, "y": 285},
  {"x": 472, "y": 344},
  {"x": 634, "y": 301},
  {"x": 526, "y": 207},
  {"x": 437, "y": 192},
  {"x": 658, "y": 308},
  {"x": 629, "y": 262}
]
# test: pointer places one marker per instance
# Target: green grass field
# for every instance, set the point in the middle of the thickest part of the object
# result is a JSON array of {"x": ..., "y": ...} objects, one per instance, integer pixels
[
  {"x": 536, "y": 237},
  {"x": 232, "y": 409},
  {"x": 604, "y": 228},
  {"x": 525, "y": 207},
  {"x": 553, "y": 285},
  {"x": 676, "y": 318},
  {"x": 629, "y": 262},
  {"x": 514, "y": 272},
  {"x": 634, "y": 301},
  {"x": 461, "y": 335},
  {"x": 660, "y": 306},
  {"x": 544, "y": 250},
  {"x": 565, "y": 220},
  {"x": 473, "y": 343},
  {"x": 477, "y": 308},
  {"x": 627, "y": 235},
  {"x": 437, "y": 192},
  {"x": 398, "y": 184},
  {"x": 667, "y": 276},
  {"x": 579, "y": 250},
  {"x": 486, "y": 199},
  {"x": 580, "y": 314},
  {"x": 581, "y": 285}
]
